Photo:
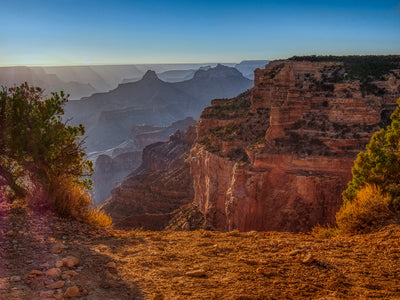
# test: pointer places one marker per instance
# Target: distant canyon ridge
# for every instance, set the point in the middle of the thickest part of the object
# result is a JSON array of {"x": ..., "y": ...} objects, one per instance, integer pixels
[{"x": 83, "y": 81}]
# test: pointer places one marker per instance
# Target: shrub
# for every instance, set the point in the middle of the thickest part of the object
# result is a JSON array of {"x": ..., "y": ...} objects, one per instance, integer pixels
[
  {"x": 368, "y": 210},
  {"x": 71, "y": 199},
  {"x": 97, "y": 217},
  {"x": 68, "y": 198}
]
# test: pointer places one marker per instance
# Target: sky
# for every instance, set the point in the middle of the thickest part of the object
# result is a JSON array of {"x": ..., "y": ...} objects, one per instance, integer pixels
[{"x": 92, "y": 32}]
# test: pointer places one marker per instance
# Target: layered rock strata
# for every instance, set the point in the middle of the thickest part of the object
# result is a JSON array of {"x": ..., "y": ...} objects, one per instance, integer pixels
[
  {"x": 149, "y": 196},
  {"x": 279, "y": 156},
  {"x": 115, "y": 164}
]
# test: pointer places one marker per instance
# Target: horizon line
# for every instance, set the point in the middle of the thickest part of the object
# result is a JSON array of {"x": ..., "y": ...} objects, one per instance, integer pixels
[{"x": 129, "y": 64}]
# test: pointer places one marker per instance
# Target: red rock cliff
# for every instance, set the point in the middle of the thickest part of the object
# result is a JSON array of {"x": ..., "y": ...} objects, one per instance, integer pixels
[{"x": 279, "y": 156}]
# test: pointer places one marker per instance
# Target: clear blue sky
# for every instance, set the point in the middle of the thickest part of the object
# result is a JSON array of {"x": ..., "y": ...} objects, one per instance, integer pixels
[{"x": 72, "y": 32}]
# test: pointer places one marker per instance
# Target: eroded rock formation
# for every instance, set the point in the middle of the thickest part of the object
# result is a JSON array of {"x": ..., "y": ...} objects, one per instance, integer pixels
[
  {"x": 148, "y": 197},
  {"x": 279, "y": 156},
  {"x": 113, "y": 165}
]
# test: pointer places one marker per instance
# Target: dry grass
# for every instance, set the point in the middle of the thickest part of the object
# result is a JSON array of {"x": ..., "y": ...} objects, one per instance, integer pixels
[
  {"x": 97, "y": 217},
  {"x": 71, "y": 200},
  {"x": 368, "y": 210},
  {"x": 324, "y": 232}
]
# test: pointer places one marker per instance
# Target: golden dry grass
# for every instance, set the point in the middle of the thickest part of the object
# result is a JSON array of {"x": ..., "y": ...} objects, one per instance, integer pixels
[
  {"x": 69, "y": 198},
  {"x": 97, "y": 217},
  {"x": 369, "y": 209}
]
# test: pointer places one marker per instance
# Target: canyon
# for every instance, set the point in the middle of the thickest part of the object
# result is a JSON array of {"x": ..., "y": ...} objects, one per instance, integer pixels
[
  {"x": 279, "y": 156},
  {"x": 152, "y": 195},
  {"x": 113, "y": 165}
]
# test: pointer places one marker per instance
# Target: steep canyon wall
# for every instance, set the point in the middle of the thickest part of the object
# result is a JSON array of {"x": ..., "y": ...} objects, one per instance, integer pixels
[{"x": 279, "y": 156}]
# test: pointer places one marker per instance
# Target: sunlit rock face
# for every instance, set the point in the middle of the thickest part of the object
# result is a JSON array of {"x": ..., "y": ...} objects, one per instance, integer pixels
[{"x": 279, "y": 156}]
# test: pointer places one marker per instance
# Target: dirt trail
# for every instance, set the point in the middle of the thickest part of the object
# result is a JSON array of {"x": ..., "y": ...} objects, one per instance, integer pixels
[{"x": 191, "y": 265}]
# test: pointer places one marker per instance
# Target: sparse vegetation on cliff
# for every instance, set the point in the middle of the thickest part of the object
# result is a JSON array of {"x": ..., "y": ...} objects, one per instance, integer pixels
[
  {"x": 244, "y": 124},
  {"x": 228, "y": 108},
  {"x": 366, "y": 69},
  {"x": 359, "y": 67}
]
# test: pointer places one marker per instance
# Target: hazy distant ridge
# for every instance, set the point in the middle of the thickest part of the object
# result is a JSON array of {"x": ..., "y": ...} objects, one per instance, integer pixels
[{"x": 109, "y": 116}]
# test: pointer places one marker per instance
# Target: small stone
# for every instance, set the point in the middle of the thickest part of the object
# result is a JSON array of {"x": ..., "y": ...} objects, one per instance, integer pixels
[
  {"x": 70, "y": 261},
  {"x": 196, "y": 273},
  {"x": 15, "y": 278},
  {"x": 59, "y": 264},
  {"x": 308, "y": 259},
  {"x": 36, "y": 273},
  {"x": 111, "y": 265},
  {"x": 53, "y": 273},
  {"x": 72, "y": 291},
  {"x": 58, "y": 248},
  {"x": 56, "y": 285},
  {"x": 71, "y": 273}
]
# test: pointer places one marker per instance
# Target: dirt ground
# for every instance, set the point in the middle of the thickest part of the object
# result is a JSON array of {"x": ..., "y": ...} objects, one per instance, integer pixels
[{"x": 191, "y": 264}]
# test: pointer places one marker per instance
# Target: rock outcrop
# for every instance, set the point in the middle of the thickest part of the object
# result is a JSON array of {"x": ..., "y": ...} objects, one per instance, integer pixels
[
  {"x": 148, "y": 197},
  {"x": 279, "y": 156},
  {"x": 113, "y": 165}
]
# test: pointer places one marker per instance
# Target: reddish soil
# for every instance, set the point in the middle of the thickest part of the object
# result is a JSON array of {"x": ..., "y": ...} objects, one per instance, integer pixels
[{"x": 193, "y": 264}]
